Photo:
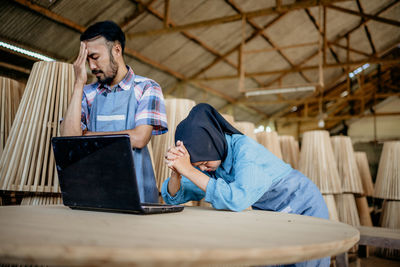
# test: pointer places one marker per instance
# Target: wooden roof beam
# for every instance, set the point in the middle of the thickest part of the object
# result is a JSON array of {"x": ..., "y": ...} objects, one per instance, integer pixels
[
  {"x": 385, "y": 8},
  {"x": 373, "y": 60},
  {"x": 371, "y": 43},
  {"x": 50, "y": 15},
  {"x": 366, "y": 16},
  {"x": 141, "y": 8},
  {"x": 265, "y": 37},
  {"x": 262, "y": 12}
]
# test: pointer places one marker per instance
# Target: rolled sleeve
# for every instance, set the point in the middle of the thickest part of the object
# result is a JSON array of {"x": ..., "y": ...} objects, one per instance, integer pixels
[
  {"x": 187, "y": 192},
  {"x": 151, "y": 109}
]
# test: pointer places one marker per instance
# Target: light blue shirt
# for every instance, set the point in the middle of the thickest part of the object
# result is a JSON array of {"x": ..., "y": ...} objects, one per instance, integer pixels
[{"x": 244, "y": 177}]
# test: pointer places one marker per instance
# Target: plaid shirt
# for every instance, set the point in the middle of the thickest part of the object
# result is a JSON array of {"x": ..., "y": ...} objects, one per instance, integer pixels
[{"x": 150, "y": 101}]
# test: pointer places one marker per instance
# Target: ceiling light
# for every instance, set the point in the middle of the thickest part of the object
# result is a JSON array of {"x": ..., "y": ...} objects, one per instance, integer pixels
[
  {"x": 25, "y": 52},
  {"x": 267, "y": 91}
]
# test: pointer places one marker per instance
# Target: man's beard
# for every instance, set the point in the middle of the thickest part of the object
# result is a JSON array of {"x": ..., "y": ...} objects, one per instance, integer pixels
[{"x": 114, "y": 69}]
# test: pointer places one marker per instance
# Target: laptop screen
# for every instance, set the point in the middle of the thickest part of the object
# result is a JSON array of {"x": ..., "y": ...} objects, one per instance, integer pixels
[{"x": 96, "y": 172}]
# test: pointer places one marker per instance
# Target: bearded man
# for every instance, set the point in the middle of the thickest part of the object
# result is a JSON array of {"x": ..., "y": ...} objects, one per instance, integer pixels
[{"x": 120, "y": 102}]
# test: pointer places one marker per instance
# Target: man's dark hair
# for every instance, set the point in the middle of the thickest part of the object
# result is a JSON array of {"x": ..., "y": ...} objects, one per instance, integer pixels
[{"x": 108, "y": 29}]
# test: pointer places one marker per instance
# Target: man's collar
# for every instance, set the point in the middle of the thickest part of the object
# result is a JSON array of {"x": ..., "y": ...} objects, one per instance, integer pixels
[{"x": 124, "y": 84}]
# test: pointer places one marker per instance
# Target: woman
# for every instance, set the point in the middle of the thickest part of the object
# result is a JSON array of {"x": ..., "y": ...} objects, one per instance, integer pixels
[{"x": 213, "y": 160}]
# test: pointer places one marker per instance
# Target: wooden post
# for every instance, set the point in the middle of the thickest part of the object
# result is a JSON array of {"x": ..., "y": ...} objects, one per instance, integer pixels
[{"x": 166, "y": 13}]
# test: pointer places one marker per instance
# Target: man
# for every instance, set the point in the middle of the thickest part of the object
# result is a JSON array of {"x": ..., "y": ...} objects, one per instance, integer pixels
[{"x": 120, "y": 102}]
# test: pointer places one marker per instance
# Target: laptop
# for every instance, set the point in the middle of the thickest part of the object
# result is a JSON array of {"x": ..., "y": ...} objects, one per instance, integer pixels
[{"x": 98, "y": 173}]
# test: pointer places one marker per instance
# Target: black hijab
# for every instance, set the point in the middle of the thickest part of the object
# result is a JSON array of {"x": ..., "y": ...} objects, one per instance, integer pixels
[{"x": 203, "y": 133}]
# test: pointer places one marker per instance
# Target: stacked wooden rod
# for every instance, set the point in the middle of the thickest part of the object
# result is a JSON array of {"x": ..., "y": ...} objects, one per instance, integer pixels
[
  {"x": 177, "y": 110},
  {"x": 368, "y": 189},
  {"x": 347, "y": 166},
  {"x": 350, "y": 180},
  {"x": 270, "y": 141},
  {"x": 247, "y": 128},
  {"x": 387, "y": 187},
  {"x": 27, "y": 163},
  {"x": 290, "y": 150},
  {"x": 42, "y": 200},
  {"x": 318, "y": 163},
  {"x": 10, "y": 96},
  {"x": 366, "y": 178}
]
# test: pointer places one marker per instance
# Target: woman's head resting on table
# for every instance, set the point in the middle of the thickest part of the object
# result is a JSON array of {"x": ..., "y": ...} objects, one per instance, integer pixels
[{"x": 203, "y": 134}]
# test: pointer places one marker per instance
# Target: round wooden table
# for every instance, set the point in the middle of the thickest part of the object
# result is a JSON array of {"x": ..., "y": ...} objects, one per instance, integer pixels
[{"x": 57, "y": 235}]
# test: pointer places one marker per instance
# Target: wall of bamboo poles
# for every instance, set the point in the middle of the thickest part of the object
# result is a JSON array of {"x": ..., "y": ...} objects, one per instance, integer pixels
[
  {"x": 10, "y": 96},
  {"x": 42, "y": 200},
  {"x": 177, "y": 110},
  {"x": 27, "y": 163},
  {"x": 363, "y": 168},
  {"x": 247, "y": 128},
  {"x": 318, "y": 162},
  {"x": 346, "y": 163},
  {"x": 270, "y": 141},
  {"x": 290, "y": 150},
  {"x": 387, "y": 185}
]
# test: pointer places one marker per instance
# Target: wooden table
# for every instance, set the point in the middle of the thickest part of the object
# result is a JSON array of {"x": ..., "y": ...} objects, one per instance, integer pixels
[{"x": 57, "y": 235}]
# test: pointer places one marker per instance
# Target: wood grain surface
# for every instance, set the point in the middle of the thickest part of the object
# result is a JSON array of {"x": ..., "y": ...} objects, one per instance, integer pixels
[{"x": 57, "y": 235}]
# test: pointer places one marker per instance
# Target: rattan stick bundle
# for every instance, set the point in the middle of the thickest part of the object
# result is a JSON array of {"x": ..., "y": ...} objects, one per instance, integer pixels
[
  {"x": 387, "y": 185},
  {"x": 290, "y": 150},
  {"x": 247, "y": 128},
  {"x": 27, "y": 162},
  {"x": 363, "y": 211},
  {"x": 270, "y": 141},
  {"x": 347, "y": 209},
  {"x": 331, "y": 204},
  {"x": 177, "y": 110},
  {"x": 390, "y": 218},
  {"x": 10, "y": 96},
  {"x": 363, "y": 168},
  {"x": 318, "y": 163},
  {"x": 42, "y": 200},
  {"x": 347, "y": 166}
]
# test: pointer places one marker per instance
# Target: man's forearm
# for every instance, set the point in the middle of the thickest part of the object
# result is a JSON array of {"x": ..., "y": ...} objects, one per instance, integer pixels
[
  {"x": 71, "y": 125},
  {"x": 139, "y": 136}
]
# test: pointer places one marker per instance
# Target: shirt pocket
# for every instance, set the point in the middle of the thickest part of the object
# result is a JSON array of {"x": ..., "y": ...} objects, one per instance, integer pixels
[{"x": 114, "y": 122}]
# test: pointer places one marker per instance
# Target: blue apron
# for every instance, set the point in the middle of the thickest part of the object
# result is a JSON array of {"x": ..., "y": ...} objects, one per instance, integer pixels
[{"x": 115, "y": 111}]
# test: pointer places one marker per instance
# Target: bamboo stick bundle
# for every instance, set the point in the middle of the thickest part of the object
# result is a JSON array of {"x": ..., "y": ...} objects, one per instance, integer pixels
[
  {"x": 347, "y": 166},
  {"x": 363, "y": 168},
  {"x": 390, "y": 218},
  {"x": 177, "y": 110},
  {"x": 247, "y": 128},
  {"x": 229, "y": 118},
  {"x": 10, "y": 96},
  {"x": 42, "y": 200},
  {"x": 387, "y": 185},
  {"x": 363, "y": 211},
  {"x": 318, "y": 162},
  {"x": 290, "y": 150},
  {"x": 331, "y": 204},
  {"x": 270, "y": 141},
  {"x": 347, "y": 209},
  {"x": 27, "y": 162}
]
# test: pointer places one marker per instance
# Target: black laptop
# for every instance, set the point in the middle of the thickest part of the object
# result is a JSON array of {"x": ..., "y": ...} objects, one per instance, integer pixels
[{"x": 98, "y": 173}]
